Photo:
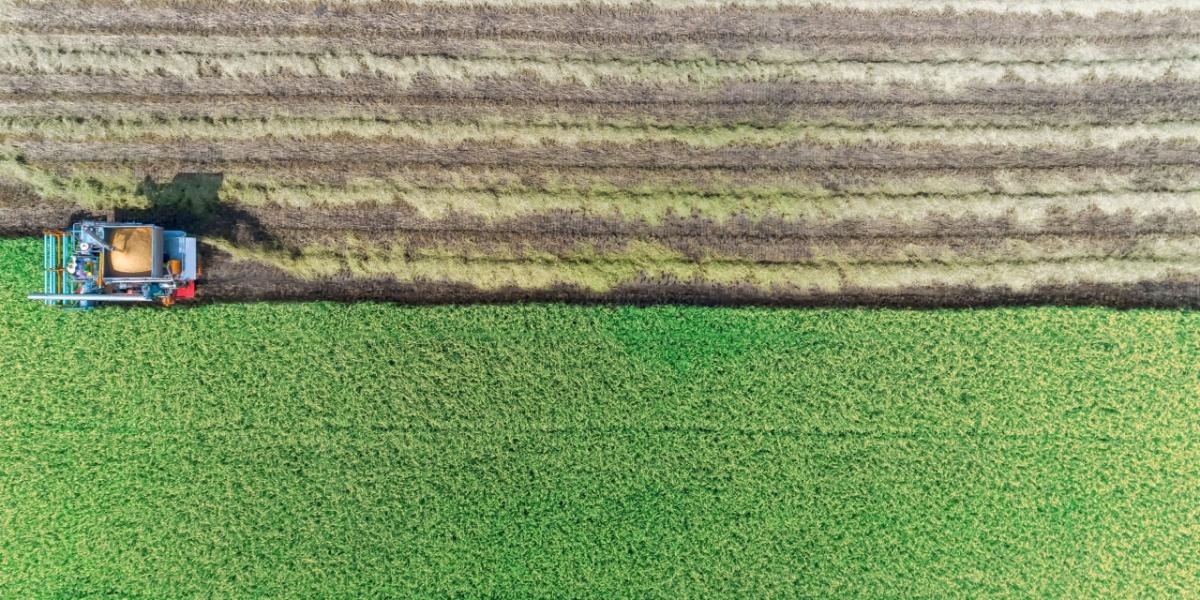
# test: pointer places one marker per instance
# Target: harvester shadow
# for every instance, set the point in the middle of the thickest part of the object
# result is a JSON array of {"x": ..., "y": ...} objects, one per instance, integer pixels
[{"x": 192, "y": 202}]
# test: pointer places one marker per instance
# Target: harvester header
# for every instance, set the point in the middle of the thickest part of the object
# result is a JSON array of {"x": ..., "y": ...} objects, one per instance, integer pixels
[{"x": 95, "y": 262}]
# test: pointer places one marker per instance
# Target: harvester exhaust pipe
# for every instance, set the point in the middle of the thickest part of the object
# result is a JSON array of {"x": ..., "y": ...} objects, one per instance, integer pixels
[{"x": 92, "y": 297}]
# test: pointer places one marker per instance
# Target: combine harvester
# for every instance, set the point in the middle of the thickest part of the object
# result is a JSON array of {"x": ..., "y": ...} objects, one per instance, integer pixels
[{"x": 95, "y": 262}]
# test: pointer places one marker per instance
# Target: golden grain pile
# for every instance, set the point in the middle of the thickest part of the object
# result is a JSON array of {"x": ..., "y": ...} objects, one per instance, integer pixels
[{"x": 880, "y": 152}]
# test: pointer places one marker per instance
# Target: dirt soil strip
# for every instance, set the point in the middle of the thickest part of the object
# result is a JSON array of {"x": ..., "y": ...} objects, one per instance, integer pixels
[
  {"x": 240, "y": 281},
  {"x": 649, "y": 155},
  {"x": 136, "y": 107},
  {"x": 521, "y": 89},
  {"x": 31, "y": 220}
]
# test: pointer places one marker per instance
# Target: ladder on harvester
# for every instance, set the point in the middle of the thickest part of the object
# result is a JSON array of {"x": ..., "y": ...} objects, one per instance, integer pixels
[{"x": 57, "y": 248}]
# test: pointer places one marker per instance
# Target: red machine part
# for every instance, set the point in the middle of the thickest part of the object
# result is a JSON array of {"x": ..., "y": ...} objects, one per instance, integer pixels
[{"x": 186, "y": 292}]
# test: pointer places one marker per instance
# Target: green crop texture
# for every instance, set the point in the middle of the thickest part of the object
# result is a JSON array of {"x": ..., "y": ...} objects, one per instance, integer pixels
[{"x": 371, "y": 450}]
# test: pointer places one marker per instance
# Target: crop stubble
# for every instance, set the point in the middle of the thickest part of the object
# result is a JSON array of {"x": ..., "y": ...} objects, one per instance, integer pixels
[{"x": 782, "y": 155}]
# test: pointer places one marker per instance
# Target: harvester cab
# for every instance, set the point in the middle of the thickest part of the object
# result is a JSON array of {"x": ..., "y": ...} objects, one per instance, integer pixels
[{"x": 95, "y": 262}]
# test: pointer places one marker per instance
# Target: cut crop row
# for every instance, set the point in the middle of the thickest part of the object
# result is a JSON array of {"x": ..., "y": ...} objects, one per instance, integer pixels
[
  {"x": 244, "y": 281},
  {"x": 79, "y": 103},
  {"x": 701, "y": 74},
  {"x": 653, "y": 248},
  {"x": 1064, "y": 236},
  {"x": 880, "y": 221},
  {"x": 377, "y": 130},
  {"x": 601, "y": 276},
  {"x": 528, "y": 88},
  {"x": 941, "y": 51},
  {"x": 649, "y": 155},
  {"x": 682, "y": 215},
  {"x": 907, "y": 21},
  {"x": 312, "y": 185}
]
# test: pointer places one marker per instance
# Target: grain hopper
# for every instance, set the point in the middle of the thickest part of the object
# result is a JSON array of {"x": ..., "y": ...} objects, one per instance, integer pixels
[{"x": 95, "y": 262}]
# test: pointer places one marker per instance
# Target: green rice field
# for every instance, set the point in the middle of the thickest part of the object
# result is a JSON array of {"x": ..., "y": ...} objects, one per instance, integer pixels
[{"x": 375, "y": 450}]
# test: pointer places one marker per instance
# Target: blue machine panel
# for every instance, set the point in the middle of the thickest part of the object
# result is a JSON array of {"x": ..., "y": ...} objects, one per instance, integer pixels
[{"x": 183, "y": 248}]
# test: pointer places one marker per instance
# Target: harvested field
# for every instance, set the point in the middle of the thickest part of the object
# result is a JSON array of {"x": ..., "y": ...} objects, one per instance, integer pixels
[{"x": 880, "y": 153}]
